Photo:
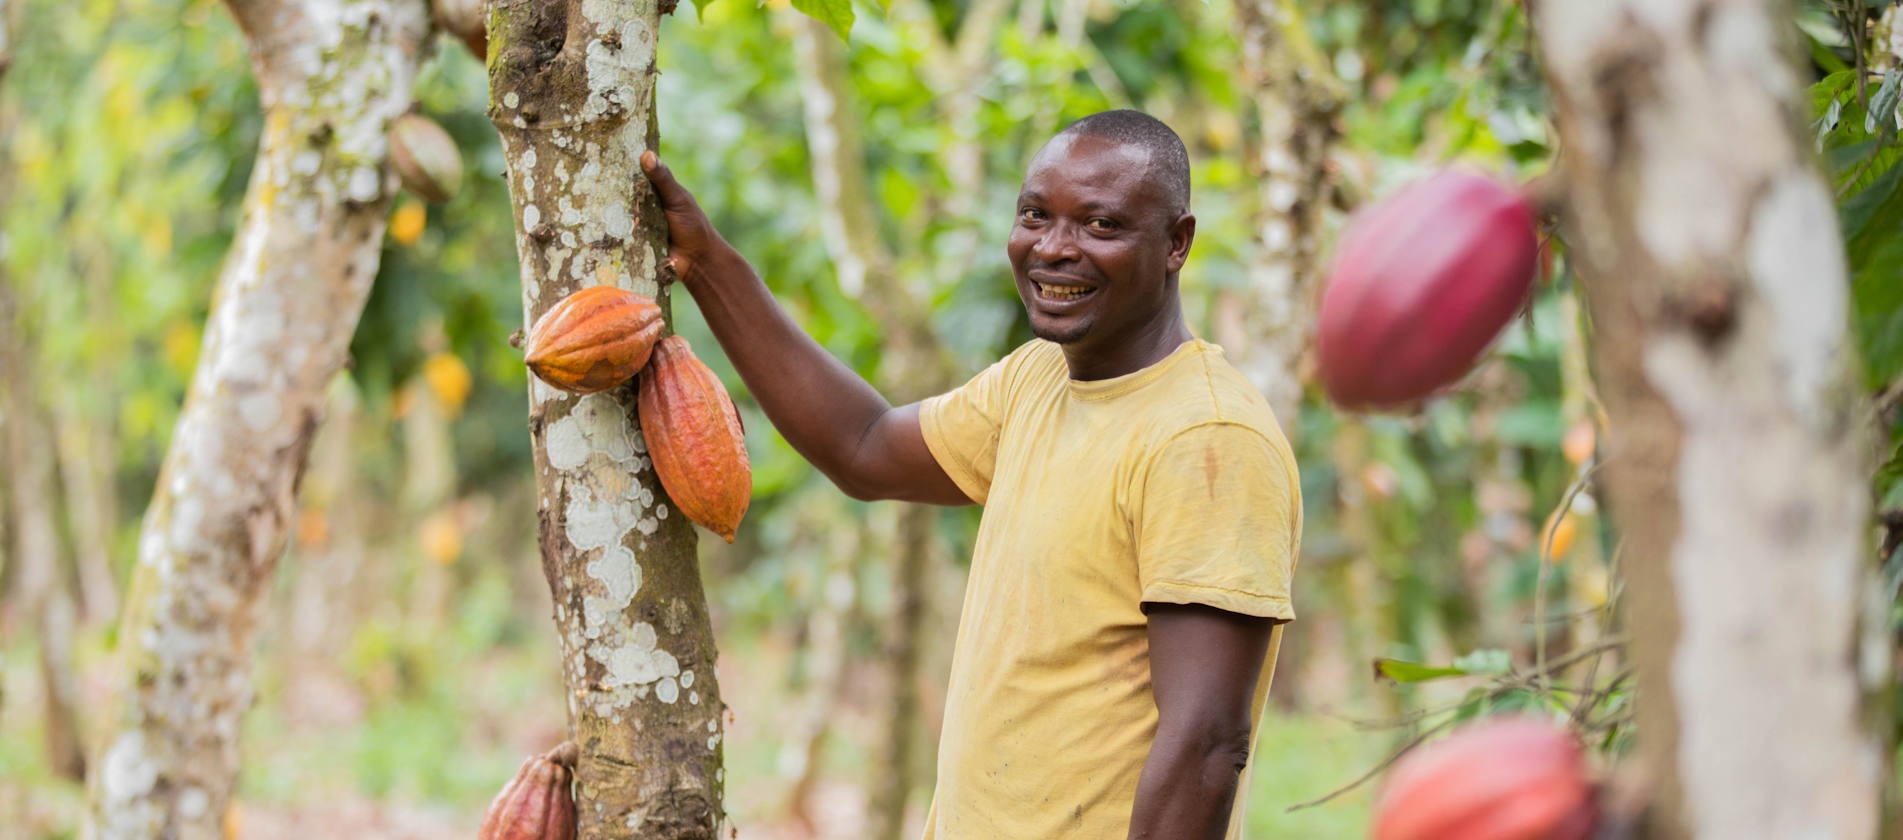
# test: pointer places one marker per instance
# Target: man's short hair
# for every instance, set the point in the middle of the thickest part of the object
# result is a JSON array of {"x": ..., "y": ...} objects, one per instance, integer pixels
[{"x": 1169, "y": 160}]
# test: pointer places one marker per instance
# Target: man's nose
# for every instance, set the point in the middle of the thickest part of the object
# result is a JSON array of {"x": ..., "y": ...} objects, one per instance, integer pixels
[{"x": 1058, "y": 243}]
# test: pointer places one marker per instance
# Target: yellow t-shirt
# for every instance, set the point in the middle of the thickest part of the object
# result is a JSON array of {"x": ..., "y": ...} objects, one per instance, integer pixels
[{"x": 1172, "y": 484}]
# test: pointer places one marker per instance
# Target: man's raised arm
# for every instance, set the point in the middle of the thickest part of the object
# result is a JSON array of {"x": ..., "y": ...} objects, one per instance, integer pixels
[{"x": 830, "y": 415}]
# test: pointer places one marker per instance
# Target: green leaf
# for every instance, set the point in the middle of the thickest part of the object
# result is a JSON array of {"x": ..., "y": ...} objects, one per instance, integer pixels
[
  {"x": 1877, "y": 298},
  {"x": 1824, "y": 57},
  {"x": 1402, "y": 671},
  {"x": 1883, "y": 103},
  {"x": 834, "y": 13},
  {"x": 700, "y": 10},
  {"x": 1872, "y": 216}
]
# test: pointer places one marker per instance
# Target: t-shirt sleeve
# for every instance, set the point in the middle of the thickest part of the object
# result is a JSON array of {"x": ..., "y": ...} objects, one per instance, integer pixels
[
  {"x": 961, "y": 428},
  {"x": 1218, "y": 520}
]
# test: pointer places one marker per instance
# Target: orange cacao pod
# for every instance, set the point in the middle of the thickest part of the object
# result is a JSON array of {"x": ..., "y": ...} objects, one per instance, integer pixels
[
  {"x": 695, "y": 439},
  {"x": 1502, "y": 779},
  {"x": 537, "y": 804},
  {"x": 594, "y": 339}
]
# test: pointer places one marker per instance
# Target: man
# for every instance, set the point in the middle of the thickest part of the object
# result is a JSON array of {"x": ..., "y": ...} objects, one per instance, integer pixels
[{"x": 1141, "y": 506}]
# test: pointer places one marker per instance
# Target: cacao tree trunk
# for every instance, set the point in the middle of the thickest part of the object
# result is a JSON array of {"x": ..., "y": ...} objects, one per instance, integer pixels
[
  {"x": 41, "y": 586},
  {"x": 1737, "y": 461},
  {"x": 85, "y": 450},
  {"x": 1266, "y": 325},
  {"x": 914, "y": 365},
  {"x": 1296, "y": 101},
  {"x": 331, "y": 75},
  {"x": 32, "y": 530},
  {"x": 571, "y": 86}
]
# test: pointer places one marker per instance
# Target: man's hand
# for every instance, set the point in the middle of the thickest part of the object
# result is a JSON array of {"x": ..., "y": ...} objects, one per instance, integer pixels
[
  {"x": 1203, "y": 668},
  {"x": 691, "y": 238},
  {"x": 836, "y": 420}
]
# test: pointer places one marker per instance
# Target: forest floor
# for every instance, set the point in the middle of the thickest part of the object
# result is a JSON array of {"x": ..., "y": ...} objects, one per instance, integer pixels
[{"x": 394, "y": 742}]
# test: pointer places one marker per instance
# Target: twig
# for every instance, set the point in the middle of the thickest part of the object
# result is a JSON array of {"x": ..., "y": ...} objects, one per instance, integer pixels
[
  {"x": 1376, "y": 770},
  {"x": 1546, "y": 554}
]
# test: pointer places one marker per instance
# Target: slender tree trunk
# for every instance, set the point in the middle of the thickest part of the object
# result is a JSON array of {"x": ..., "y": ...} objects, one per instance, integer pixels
[
  {"x": 86, "y": 482},
  {"x": 331, "y": 75},
  {"x": 572, "y": 93},
  {"x": 914, "y": 365},
  {"x": 41, "y": 588},
  {"x": 33, "y": 532},
  {"x": 1296, "y": 102},
  {"x": 1716, "y": 284},
  {"x": 1267, "y": 324}
]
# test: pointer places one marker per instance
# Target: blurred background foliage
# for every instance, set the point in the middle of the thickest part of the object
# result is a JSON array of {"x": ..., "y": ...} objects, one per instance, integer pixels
[{"x": 407, "y": 663}]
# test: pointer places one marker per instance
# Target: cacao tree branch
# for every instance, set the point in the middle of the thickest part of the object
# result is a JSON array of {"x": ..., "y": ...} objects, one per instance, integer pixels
[
  {"x": 571, "y": 88},
  {"x": 290, "y": 292}
]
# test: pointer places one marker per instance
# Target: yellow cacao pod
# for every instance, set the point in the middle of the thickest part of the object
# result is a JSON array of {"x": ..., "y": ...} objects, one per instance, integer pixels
[
  {"x": 425, "y": 158},
  {"x": 694, "y": 436},
  {"x": 537, "y": 804},
  {"x": 594, "y": 339}
]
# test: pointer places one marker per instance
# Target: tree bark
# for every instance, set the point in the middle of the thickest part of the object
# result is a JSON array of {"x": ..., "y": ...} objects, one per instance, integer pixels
[
  {"x": 85, "y": 449},
  {"x": 32, "y": 529},
  {"x": 1296, "y": 100},
  {"x": 914, "y": 365},
  {"x": 572, "y": 94},
  {"x": 1715, "y": 279},
  {"x": 331, "y": 75},
  {"x": 41, "y": 589}
]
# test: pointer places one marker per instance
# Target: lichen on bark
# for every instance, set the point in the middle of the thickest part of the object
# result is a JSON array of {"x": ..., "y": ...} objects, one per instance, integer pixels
[{"x": 571, "y": 93}]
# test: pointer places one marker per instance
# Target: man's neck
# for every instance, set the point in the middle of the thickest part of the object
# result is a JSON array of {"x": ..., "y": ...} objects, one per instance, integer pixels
[{"x": 1132, "y": 353}]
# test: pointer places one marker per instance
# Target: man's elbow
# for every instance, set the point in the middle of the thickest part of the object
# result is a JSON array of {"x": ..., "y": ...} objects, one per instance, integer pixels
[{"x": 1219, "y": 748}]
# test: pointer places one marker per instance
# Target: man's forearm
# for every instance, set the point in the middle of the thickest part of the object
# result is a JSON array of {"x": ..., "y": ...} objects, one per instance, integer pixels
[
  {"x": 1188, "y": 788},
  {"x": 821, "y": 406}
]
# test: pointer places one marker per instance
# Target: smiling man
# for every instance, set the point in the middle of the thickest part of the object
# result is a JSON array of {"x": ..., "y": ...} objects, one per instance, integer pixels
[{"x": 1142, "y": 511}]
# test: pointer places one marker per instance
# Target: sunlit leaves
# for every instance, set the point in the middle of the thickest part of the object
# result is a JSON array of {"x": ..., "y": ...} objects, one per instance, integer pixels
[{"x": 836, "y": 14}]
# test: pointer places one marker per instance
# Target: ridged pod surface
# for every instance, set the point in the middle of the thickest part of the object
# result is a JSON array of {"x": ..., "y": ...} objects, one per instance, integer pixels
[
  {"x": 1422, "y": 282},
  {"x": 425, "y": 158},
  {"x": 594, "y": 339},
  {"x": 537, "y": 804},
  {"x": 1501, "y": 779},
  {"x": 694, "y": 436}
]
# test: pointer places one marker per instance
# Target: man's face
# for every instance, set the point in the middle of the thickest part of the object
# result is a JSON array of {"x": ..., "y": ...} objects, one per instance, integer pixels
[{"x": 1097, "y": 242}]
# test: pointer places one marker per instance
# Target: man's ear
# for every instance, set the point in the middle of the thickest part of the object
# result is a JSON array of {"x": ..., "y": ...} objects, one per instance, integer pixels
[{"x": 1182, "y": 233}]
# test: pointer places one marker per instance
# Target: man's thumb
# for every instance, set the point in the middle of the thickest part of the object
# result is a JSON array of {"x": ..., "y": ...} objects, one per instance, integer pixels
[{"x": 673, "y": 196}]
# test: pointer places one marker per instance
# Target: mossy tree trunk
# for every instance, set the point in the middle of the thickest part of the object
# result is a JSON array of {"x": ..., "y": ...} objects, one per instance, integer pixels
[
  {"x": 331, "y": 75},
  {"x": 571, "y": 86},
  {"x": 1737, "y": 457}
]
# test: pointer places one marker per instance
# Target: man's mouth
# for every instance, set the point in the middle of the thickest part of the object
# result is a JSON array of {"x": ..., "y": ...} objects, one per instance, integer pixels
[{"x": 1062, "y": 292}]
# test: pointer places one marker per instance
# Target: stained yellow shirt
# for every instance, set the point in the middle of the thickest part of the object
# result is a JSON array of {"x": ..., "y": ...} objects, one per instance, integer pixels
[{"x": 1172, "y": 484}]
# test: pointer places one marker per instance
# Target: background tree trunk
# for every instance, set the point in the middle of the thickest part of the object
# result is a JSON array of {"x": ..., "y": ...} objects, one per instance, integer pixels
[
  {"x": 1715, "y": 279},
  {"x": 331, "y": 75},
  {"x": 572, "y": 92},
  {"x": 32, "y": 527},
  {"x": 1266, "y": 326}
]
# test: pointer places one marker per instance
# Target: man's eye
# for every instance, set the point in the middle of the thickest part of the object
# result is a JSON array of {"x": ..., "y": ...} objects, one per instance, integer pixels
[
  {"x": 1102, "y": 225},
  {"x": 1031, "y": 214}
]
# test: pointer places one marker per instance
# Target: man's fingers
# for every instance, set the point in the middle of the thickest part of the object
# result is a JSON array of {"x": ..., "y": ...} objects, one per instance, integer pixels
[{"x": 674, "y": 197}]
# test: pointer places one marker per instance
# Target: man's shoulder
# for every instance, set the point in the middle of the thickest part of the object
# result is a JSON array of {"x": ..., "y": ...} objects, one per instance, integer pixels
[{"x": 1208, "y": 391}]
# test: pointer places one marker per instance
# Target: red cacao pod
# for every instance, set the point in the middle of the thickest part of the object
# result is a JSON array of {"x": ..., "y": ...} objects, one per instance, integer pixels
[
  {"x": 1501, "y": 779},
  {"x": 594, "y": 339},
  {"x": 425, "y": 158},
  {"x": 1422, "y": 282},
  {"x": 537, "y": 804},
  {"x": 694, "y": 436}
]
